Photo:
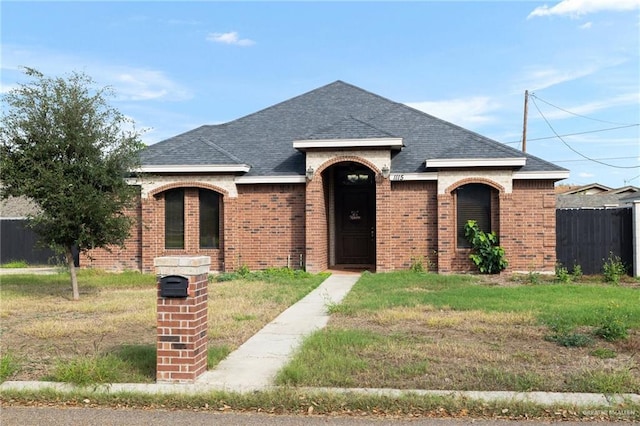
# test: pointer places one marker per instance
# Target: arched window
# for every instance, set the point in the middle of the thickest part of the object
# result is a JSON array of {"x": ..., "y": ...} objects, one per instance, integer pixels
[
  {"x": 473, "y": 203},
  {"x": 175, "y": 220}
]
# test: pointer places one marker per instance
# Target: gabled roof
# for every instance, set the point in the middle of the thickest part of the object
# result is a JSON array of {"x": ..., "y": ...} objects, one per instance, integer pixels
[
  {"x": 629, "y": 189},
  {"x": 264, "y": 140},
  {"x": 590, "y": 189}
]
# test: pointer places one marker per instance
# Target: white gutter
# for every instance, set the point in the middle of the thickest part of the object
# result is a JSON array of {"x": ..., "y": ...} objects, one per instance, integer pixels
[
  {"x": 558, "y": 175},
  {"x": 270, "y": 179},
  {"x": 476, "y": 162},
  {"x": 349, "y": 143},
  {"x": 198, "y": 168}
]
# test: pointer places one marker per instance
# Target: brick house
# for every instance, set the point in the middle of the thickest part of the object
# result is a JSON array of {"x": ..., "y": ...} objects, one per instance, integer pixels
[{"x": 338, "y": 178}]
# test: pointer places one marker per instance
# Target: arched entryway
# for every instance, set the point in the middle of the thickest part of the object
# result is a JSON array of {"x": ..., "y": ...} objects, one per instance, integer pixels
[{"x": 352, "y": 216}]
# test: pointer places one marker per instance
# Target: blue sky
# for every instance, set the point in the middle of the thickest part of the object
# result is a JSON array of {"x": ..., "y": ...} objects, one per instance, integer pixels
[{"x": 178, "y": 65}]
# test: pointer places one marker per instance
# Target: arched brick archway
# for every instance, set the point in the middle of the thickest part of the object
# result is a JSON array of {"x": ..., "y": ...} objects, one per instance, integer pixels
[{"x": 332, "y": 210}]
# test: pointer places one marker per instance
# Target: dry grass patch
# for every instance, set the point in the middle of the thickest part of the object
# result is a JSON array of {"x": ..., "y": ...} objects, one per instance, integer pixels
[{"x": 40, "y": 324}]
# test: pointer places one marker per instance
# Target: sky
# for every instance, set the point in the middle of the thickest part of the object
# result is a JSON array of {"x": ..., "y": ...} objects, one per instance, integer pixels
[{"x": 175, "y": 66}]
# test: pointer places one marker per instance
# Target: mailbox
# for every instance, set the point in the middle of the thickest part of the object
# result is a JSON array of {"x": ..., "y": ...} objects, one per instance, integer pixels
[{"x": 174, "y": 286}]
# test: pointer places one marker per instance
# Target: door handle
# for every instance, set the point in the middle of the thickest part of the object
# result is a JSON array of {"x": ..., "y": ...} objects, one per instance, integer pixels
[{"x": 373, "y": 232}]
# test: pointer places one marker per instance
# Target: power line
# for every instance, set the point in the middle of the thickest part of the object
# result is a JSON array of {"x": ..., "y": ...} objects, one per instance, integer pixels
[
  {"x": 576, "y": 134},
  {"x": 575, "y": 161},
  {"x": 571, "y": 148},
  {"x": 533, "y": 95}
]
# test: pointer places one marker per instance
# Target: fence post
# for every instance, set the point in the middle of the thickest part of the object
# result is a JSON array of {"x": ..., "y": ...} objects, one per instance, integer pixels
[{"x": 635, "y": 224}]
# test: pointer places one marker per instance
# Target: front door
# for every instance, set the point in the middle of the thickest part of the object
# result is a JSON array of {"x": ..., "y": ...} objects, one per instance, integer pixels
[{"x": 355, "y": 216}]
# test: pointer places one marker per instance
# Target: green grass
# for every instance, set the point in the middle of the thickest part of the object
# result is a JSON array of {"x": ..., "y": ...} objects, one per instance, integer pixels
[
  {"x": 215, "y": 354},
  {"x": 301, "y": 402},
  {"x": 8, "y": 365},
  {"x": 15, "y": 264},
  {"x": 97, "y": 369},
  {"x": 410, "y": 306},
  {"x": 89, "y": 281},
  {"x": 609, "y": 382},
  {"x": 582, "y": 304}
]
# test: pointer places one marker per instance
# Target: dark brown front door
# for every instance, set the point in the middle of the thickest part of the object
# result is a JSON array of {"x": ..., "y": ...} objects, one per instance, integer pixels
[{"x": 355, "y": 217}]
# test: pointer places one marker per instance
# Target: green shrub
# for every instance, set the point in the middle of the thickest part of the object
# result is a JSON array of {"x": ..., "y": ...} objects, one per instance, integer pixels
[
  {"x": 613, "y": 325},
  {"x": 571, "y": 340},
  {"x": 487, "y": 255},
  {"x": 613, "y": 268},
  {"x": 576, "y": 273},
  {"x": 417, "y": 264},
  {"x": 562, "y": 274}
]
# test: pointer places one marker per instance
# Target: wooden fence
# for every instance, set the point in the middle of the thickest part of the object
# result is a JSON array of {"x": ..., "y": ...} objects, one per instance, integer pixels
[
  {"x": 18, "y": 242},
  {"x": 587, "y": 237}
]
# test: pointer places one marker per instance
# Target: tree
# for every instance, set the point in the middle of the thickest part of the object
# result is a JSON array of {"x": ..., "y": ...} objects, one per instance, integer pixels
[{"x": 66, "y": 149}]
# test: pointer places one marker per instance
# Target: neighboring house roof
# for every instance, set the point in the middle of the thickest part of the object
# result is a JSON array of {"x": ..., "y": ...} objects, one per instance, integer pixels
[
  {"x": 264, "y": 140},
  {"x": 629, "y": 189},
  {"x": 590, "y": 189},
  {"x": 17, "y": 207}
]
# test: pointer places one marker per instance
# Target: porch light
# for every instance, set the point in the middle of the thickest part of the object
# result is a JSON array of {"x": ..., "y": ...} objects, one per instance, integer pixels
[
  {"x": 385, "y": 171},
  {"x": 310, "y": 172}
]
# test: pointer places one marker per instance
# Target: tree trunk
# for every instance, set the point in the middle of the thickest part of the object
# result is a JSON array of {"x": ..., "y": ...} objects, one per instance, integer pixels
[{"x": 72, "y": 272}]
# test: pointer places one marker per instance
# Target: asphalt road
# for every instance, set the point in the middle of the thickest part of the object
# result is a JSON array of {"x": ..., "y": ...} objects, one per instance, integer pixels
[{"x": 54, "y": 416}]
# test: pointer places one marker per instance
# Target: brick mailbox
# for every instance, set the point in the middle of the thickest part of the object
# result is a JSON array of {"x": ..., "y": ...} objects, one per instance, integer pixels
[{"x": 182, "y": 317}]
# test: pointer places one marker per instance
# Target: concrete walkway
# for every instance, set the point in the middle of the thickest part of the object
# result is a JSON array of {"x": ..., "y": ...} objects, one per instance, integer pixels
[{"x": 254, "y": 365}]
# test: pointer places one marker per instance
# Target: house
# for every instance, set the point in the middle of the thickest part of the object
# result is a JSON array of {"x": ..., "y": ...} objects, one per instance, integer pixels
[
  {"x": 595, "y": 196},
  {"x": 338, "y": 178}
]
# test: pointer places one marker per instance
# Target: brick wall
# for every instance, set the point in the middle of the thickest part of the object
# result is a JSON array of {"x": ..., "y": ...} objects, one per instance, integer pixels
[
  {"x": 270, "y": 225},
  {"x": 120, "y": 258},
  {"x": 523, "y": 219},
  {"x": 528, "y": 226},
  {"x": 414, "y": 222},
  {"x": 317, "y": 235}
]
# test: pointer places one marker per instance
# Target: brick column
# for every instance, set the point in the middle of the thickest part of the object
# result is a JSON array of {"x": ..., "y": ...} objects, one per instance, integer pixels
[{"x": 182, "y": 322}]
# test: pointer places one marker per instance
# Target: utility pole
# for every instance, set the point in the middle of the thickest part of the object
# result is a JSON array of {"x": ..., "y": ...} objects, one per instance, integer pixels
[{"x": 524, "y": 125}]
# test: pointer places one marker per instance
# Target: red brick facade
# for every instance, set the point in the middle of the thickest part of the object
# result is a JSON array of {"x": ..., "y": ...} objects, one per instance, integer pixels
[{"x": 276, "y": 225}]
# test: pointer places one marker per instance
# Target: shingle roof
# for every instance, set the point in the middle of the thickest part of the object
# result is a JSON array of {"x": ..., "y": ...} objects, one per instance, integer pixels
[{"x": 338, "y": 110}]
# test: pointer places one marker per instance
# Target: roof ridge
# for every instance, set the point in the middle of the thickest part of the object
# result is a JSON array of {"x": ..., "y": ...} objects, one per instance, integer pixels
[{"x": 221, "y": 149}]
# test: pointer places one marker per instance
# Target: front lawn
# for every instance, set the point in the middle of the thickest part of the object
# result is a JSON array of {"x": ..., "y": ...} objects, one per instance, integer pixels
[
  {"x": 424, "y": 331},
  {"x": 109, "y": 335}
]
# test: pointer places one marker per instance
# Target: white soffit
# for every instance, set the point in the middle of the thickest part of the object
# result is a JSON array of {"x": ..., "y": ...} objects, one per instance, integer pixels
[
  {"x": 199, "y": 168},
  {"x": 394, "y": 143},
  {"x": 476, "y": 162}
]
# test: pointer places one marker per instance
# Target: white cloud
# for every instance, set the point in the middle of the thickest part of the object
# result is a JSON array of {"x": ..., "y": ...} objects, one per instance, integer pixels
[
  {"x": 585, "y": 175},
  {"x": 130, "y": 83},
  {"x": 586, "y": 26},
  {"x": 230, "y": 38},
  {"x": 136, "y": 84},
  {"x": 577, "y": 8},
  {"x": 627, "y": 99},
  {"x": 460, "y": 111},
  {"x": 542, "y": 77}
]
